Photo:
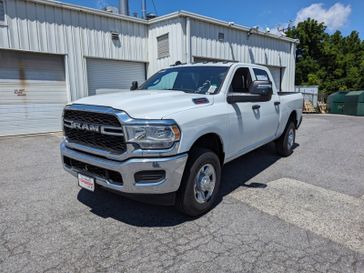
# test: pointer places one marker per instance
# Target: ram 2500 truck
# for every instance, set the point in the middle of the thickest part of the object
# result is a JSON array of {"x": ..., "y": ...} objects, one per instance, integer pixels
[{"x": 171, "y": 136}]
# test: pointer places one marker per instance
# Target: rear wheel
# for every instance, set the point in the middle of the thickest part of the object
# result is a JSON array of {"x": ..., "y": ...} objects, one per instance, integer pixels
[
  {"x": 200, "y": 184},
  {"x": 285, "y": 143}
]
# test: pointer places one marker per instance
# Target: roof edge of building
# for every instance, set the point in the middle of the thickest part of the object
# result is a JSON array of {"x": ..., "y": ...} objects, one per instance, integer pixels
[
  {"x": 176, "y": 14},
  {"x": 89, "y": 10},
  {"x": 203, "y": 18}
]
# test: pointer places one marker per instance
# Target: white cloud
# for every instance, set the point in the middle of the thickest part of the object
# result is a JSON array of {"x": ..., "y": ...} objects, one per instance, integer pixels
[{"x": 334, "y": 17}]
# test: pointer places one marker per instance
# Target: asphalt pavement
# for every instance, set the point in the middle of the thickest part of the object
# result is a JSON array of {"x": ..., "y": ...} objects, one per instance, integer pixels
[{"x": 304, "y": 213}]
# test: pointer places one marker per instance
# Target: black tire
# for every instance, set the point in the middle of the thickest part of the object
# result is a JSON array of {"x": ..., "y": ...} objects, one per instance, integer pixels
[
  {"x": 187, "y": 201},
  {"x": 283, "y": 145}
]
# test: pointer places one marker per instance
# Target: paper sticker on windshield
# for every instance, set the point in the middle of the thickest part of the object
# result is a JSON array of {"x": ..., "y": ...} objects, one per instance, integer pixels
[{"x": 212, "y": 89}]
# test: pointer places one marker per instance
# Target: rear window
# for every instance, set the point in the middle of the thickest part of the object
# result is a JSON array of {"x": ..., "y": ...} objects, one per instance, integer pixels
[
  {"x": 261, "y": 74},
  {"x": 2, "y": 11}
]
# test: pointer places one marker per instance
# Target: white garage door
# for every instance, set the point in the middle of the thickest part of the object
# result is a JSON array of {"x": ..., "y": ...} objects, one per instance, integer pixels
[
  {"x": 32, "y": 92},
  {"x": 276, "y": 73},
  {"x": 107, "y": 76}
]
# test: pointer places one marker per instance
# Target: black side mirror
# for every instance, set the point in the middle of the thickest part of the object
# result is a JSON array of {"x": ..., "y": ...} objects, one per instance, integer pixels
[
  {"x": 262, "y": 88},
  {"x": 236, "y": 97},
  {"x": 134, "y": 85}
]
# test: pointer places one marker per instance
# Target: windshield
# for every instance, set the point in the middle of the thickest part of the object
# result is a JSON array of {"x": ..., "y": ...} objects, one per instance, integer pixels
[{"x": 191, "y": 79}]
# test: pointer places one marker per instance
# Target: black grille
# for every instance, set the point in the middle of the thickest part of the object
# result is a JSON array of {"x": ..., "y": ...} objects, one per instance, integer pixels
[
  {"x": 114, "y": 144},
  {"x": 91, "y": 117},
  {"x": 85, "y": 168}
]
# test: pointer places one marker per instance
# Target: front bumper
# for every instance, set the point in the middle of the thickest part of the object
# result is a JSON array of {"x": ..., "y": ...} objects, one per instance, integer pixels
[{"x": 173, "y": 167}]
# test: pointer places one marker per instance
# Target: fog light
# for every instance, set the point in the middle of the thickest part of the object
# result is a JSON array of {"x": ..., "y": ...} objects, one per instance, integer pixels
[{"x": 149, "y": 176}]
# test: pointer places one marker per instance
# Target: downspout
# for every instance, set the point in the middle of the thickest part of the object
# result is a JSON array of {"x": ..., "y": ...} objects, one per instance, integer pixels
[{"x": 188, "y": 40}]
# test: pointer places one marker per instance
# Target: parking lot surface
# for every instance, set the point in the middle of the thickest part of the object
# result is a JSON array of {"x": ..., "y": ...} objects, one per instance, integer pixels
[{"x": 304, "y": 213}]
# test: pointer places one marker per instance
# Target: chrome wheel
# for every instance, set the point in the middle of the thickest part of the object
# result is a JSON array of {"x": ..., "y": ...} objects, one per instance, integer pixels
[
  {"x": 205, "y": 182},
  {"x": 290, "y": 139}
]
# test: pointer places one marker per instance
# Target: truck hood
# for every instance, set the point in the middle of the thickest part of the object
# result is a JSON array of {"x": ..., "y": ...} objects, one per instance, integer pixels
[{"x": 156, "y": 104}]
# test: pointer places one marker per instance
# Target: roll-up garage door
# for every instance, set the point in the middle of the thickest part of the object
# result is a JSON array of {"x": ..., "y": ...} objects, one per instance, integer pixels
[
  {"x": 276, "y": 74},
  {"x": 32, "y": 92},
  {"x": 107, "y": 76}
]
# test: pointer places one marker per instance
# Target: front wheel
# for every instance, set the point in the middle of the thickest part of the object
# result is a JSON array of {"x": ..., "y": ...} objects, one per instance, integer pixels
[
  {"x": 285, "y": 143},
  {"x": 200, "y": 184}
]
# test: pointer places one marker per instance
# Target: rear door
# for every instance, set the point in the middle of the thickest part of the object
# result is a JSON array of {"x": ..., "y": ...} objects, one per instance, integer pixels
[{"x": 267, "y": 115}]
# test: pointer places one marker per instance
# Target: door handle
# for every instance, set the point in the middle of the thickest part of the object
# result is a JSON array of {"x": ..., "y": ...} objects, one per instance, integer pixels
[
  {"x": 256, "y": 107},
  {"x": 276, "y": 103}
]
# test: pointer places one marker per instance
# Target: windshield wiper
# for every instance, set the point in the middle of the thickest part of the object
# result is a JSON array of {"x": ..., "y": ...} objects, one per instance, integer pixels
[{"x": 179, "y": 89}]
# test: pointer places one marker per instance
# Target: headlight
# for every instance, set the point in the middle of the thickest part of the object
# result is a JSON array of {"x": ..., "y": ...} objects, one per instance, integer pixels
[{"x": 153, "y": 136}]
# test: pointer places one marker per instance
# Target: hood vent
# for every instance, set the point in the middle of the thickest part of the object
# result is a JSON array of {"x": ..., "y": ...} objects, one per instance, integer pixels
[{"x": 200, "y": 100}]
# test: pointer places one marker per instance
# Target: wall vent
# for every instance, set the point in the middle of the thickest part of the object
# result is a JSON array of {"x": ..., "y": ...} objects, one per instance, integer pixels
[
  {"x": 163, "y": 46},
  {"x": 115, "y": 36},
  {"x": 221, "y": 36}
]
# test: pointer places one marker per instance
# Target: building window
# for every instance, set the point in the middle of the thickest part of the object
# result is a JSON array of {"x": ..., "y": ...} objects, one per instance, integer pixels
[
  {"x": 2, "y": 11},
  {"x": 163, "y": 46},
  {"x": 221, "y": 37}
]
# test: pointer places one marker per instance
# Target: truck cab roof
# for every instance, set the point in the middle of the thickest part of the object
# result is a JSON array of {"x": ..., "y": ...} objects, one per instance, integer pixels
[{"x": 218, "y": 63}]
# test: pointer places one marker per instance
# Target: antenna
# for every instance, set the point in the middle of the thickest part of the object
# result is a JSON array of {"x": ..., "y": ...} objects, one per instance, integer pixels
[{"x": 283, "y": 29}]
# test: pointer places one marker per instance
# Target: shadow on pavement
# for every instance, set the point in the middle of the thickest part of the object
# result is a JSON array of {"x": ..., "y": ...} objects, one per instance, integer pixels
[{"x": 235, "y": 174}]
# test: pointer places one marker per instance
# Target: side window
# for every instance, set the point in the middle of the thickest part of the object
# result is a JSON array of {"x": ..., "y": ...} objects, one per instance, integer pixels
[
  {"x": 165, "y": 82},
  {"x": 241, "y": 81},
  {"x": 2, "y": 11},
  {"x": 261, "y": 74}
]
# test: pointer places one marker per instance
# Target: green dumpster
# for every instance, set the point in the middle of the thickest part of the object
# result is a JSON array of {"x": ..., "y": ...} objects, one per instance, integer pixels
[
  {"x": 336, "y": 102},
  {"x": 354, "y": 103}
]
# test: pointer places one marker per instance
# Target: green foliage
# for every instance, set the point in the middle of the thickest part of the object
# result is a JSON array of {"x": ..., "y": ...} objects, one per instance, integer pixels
[{"x": 333, "y": 62}]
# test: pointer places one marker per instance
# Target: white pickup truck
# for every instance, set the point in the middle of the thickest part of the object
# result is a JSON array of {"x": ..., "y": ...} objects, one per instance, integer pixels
[{"x": 171, "y": 136}]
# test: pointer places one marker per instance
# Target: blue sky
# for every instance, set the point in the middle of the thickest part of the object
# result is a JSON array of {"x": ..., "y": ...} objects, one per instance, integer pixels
[{"x": 343, "y": 15}]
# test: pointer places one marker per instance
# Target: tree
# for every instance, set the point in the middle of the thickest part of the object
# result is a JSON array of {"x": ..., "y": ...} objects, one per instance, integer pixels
[{"x": 331, "y": 61}]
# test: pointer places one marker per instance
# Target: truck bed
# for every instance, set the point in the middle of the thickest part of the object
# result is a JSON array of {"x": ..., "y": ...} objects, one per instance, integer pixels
[{"x": 286, "y": 93}]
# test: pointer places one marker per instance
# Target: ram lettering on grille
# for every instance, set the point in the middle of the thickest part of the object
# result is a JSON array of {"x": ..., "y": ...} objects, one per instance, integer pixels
[{"x": 96, "y": 130}]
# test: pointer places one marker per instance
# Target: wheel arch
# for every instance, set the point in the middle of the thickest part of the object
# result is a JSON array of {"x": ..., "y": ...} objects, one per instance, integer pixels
[
  {"x": 211, "y": 141},
  {"x": 293, "y": 117}
]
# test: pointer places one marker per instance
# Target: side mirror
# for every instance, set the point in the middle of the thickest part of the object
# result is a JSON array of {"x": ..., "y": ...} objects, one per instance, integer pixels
[
  {"x": 134, "y": 85},
  {"x": 236, "y": 97},
  {"x": 262, "y": 88}
]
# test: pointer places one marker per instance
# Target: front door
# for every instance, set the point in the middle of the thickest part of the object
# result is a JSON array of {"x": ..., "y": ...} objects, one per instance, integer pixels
[{"x": 253, "y": 123}]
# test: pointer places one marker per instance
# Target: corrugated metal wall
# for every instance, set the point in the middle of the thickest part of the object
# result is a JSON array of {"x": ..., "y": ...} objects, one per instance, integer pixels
[
  {"x": 176, "y": 44},
  {"x": 238, "y": 46},
  {"x": 77, "y": 34}
]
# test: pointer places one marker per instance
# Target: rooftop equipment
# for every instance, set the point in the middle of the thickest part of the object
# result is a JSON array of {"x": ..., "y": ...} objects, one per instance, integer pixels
[
  {"x": 111, "y": 9},
  {"x": 144, "y": 9},
  {"x": 124, "y": 7}
]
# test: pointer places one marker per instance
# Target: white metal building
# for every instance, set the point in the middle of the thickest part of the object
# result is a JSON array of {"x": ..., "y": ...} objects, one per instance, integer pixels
[{"x": 52, "y": 53}]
